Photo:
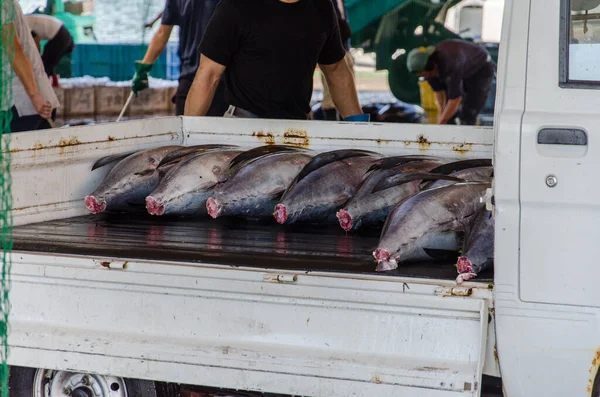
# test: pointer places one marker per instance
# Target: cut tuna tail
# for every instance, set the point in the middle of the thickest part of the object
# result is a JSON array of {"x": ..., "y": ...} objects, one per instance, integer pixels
[
  {"x": 154, "y": 207},
  {"x": 345, "y": 220},
  {"x": 465, "y": 270},
  {"x": 464, "y": 265},
  {"x": 212, "y": 207},
  {"x": 385, "y": 261},
  {"x": 280, "y": 213},
  {"x": 94, "y": 205}
]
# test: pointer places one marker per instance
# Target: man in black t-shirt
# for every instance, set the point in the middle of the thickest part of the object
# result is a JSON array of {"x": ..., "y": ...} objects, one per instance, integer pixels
[
  {"x": 268, "y": 50},
  {"x": 459, "y": 72},
  {"x": 192, "y": 17}
]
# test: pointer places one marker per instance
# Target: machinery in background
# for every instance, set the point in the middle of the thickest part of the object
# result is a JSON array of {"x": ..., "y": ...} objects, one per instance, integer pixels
[{"x": 78, "y": 17}]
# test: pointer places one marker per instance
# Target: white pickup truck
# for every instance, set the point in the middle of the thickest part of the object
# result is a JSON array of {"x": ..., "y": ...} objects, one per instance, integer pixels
[{"x": 133, "y": 301}]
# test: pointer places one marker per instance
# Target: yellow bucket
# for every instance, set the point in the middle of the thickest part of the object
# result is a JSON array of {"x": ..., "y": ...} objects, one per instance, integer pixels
[{"x": 427, "y": 96}]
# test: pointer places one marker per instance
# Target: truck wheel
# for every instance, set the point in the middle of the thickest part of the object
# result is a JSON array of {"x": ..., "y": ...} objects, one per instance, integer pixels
[{"x": 31, "y": 382}]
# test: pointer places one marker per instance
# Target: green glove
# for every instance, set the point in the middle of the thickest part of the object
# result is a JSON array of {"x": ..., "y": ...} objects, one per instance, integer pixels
[{"x": 140, "y": 78}]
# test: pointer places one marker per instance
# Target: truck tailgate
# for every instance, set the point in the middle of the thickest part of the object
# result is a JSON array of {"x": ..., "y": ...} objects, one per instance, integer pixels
[{"x": 281, "y": 331}]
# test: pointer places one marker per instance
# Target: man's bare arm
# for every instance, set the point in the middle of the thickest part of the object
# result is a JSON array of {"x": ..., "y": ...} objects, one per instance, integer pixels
[
  {"x": 449, "y": 111},
  {"x": 24, "y": 71},
  {"x": 341, "y": 85},
  {"x": 440, "y": 100},
  {"x": 157, "y": 44},
  {"x": 203, "y": 88}
]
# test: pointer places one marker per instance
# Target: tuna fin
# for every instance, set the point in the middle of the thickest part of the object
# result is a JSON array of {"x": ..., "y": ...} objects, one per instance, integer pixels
[
  {"x": 455, "y": 166},
  {"x": 251, "y": 155},
  {"x": 439, "y": 254},
  {"x": 387, "y": 163},
  {"x": 399, "y": 179},
  {"x": 111, "y": 159},
  {"x": 179, "y": 154},
  {"x": 322, "y": 159},
  {"x": 371, "y": 180}
]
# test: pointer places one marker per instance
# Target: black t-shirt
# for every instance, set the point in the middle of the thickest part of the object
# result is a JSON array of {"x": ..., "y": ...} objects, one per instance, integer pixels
[
  {"x": 192, "y": 17},
  {"x": 456, "y": 61},
  {"x": 270, "y": 50}
]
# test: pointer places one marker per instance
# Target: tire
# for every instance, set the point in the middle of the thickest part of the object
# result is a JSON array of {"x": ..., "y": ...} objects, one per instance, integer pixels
[{"x": 21, "y": 380}]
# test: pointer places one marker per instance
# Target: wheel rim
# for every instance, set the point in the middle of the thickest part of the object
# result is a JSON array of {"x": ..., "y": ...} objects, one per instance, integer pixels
[{"x": 48, "y": 383}]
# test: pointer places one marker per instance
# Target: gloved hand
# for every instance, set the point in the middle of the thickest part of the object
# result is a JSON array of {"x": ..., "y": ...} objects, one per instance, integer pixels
[
  {"x": 140, "y": 78},
  {"x": 365, "y": 117}
]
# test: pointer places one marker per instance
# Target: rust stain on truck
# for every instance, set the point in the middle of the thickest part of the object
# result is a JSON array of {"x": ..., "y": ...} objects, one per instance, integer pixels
[
  {"x": 593, "y": 371},
  {"x": 462, "y": 148},
  {"x": 69, "y": 142},
  {"x": 295, "y": 137},
  {"x": 423, "y": 142},
  {"x": 267, "y": 137}
]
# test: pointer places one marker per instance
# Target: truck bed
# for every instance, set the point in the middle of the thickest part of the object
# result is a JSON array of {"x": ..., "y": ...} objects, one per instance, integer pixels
[{"x": 228, "y": 242}]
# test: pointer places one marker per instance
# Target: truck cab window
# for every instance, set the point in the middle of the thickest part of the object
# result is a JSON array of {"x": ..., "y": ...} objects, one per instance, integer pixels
[{"x": 581, "y": 43}]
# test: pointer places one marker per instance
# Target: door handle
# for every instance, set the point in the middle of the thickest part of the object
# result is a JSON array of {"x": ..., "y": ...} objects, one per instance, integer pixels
[{"x": 562, "y": 136}]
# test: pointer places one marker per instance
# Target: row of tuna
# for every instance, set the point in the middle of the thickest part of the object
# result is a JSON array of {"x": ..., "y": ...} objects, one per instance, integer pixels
[{"x": 424, "y": 203}]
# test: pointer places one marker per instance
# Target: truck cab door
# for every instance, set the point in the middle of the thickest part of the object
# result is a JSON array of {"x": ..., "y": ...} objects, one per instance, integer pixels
[{"x": 560, "y": 156}]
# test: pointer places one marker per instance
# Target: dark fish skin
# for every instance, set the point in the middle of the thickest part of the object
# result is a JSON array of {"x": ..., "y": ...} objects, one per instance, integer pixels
[
  {"x": 129, "y": 181},
  {"x": 111, "y": 159},
  {"x": 322, "y": 192},
  {"x": 186, "y": 187},
  {"x": 257, "y": 186},
  {"x": 475, "y": 174},
  {"x": 478, "y": 253},
  {"x": 448, "y": 208},
  {"x": 322, "y": 159},
  {"x": 253, "y": 154},
  {"x": 381, "y": 191},
  {"x": 387, "y": 163},
  {"x": 178, "y": 155},
  {"x": 455, "y": 166}
]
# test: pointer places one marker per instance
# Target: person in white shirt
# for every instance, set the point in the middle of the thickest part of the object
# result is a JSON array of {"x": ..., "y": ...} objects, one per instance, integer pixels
[
  {"x": 60, "y": 41},
  {"x": 33, "y": 98}
]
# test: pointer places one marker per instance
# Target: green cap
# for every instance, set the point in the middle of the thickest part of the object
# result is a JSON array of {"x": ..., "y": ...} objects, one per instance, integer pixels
[{"x": 417, "y": 58}]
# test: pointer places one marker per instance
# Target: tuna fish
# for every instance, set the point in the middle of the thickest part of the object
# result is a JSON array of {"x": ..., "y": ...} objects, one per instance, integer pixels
[
  {"x": 324, "y": 185},
  {"x": 448, "y": 208},
  {"x": 382, "y": 190},
  {"x": 129, "y": 181},
  {"x": 478, "y": 252},
  {"x": 257, "y": 185},
  {"x": 185, "y": 189}
]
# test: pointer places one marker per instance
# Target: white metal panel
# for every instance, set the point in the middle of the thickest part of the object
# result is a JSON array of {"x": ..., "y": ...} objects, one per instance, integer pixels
[
  {"x": 386, "y": 138},
  {"x": 51, "y": 169},
  {"x": 321, "y": 335}
]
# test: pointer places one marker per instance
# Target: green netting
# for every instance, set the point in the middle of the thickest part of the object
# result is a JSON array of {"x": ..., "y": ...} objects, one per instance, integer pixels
[{"x": 7, "y": 12}]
